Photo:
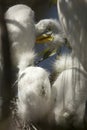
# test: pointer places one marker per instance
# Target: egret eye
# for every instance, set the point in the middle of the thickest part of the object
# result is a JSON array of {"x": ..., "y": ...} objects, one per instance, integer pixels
[{"x": 49, "y": 29}]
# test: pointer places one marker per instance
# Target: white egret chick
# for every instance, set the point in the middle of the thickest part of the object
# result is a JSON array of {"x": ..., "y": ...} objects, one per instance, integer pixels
[
  {"x": 21, "y": 29},
  {"x": 50, "y": 31},
  {"x": 69, "y": 92},
  {"x": 34, "y": 94},
  {"x": 74, "y": 21}
]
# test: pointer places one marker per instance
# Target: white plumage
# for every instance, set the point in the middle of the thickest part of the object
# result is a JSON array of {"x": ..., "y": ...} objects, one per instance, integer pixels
[
  {"x": 64, "y": 62},
  {"x": 74, "y": 20},
  {"x": 69, "y": 91},
  {"x": 51, "y": 27},
  {"x": 21, "y": 28},
  {"x": 34, "y": 90},
  {"x": 34, "y": 94},
  {"x": 73, "y": 86}
]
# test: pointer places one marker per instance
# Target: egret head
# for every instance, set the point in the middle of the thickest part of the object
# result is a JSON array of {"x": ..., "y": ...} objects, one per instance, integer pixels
[{"x": 49, "y": 31}]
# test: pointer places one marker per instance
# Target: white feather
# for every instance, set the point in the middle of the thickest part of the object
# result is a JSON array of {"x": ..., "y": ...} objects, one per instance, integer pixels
[
  {"x": 20, "y": 23},
  {"x": 34, "y": 94},
  {"x": 69, "y": 91},
  {"x": 74, "y": 21}
]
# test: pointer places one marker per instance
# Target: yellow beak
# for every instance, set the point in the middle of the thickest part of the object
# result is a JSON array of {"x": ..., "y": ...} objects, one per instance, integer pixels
[{"x": 44, "y": 38}]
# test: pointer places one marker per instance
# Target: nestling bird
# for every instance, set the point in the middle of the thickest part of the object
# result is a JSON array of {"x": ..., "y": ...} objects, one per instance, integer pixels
[
  {"x": 34, "y": 91},
  {"x": 34, "y": 94},
  {"x": 50, "y": 31}
]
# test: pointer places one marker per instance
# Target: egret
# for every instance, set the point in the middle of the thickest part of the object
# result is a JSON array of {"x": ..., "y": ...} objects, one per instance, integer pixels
[
  {"x": 69, "y": 91},
  {"x": 21, "y": 29},
  {"x": 34, "y": 94},
  {"x": 34, "y": 91},
  {"x": 50, "y": 31}
]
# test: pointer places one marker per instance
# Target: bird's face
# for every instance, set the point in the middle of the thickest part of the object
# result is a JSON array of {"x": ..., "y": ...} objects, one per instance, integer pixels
[
  {"x": 49, "y": 31},
  {"x": 46, "y": 30}
]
